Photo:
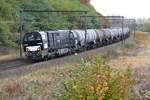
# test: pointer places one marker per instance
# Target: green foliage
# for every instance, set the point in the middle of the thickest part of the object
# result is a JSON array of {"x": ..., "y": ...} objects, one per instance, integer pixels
[
  {"x": 3, "y": 32},
  {"x": 10, "y": 43},
  {"x": 4, "y": 36},
  {"x": 147, "y": 27},
  {"x": 95, "y": 80}
]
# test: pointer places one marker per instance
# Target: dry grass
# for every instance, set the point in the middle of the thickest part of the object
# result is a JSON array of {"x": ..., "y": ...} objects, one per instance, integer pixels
[
  {"x": 126, "y": 61},
  {"x": 8, "y": 53},
  {"x": 139, "y": 59},
  {"x": 40, "y": 84},
  {"x": 143, "y": 38},
  {"x": 8, "y": 57}
]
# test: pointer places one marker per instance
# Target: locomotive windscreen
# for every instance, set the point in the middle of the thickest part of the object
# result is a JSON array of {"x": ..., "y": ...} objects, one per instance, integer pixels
[{"x": 32, "y": 37}]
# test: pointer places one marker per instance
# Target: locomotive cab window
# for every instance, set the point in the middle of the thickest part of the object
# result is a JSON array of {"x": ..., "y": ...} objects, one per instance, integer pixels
[{"x": 32, "y": 37}]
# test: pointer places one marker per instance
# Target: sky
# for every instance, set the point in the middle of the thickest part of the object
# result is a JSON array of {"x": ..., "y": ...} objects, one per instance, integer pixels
[{"x": 127, "y": 8}]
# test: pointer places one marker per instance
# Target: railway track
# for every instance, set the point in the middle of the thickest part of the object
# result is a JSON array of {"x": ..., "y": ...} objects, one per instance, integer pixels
[{"x": 12, "y": 64}]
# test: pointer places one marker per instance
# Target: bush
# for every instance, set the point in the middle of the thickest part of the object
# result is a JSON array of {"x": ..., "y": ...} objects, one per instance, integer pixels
[
  {"x": 95, "y": 80},
  {"x": 3, "y": 32},
  {"x": 147, "y": 27},
  {"x": 10, "y": 43}
]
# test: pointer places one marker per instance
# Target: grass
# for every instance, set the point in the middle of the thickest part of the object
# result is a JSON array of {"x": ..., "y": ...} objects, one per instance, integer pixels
[
  {"x": 135, "y": 54},
  {"x": 143, "y": 38},
  {"x": 39, "y": 84},
  {"x": 8, "y": 53},
  {"x": 7, "y": 57},
  {"x": 148, "y": 45},
  {"x": 138, "y": 57}
]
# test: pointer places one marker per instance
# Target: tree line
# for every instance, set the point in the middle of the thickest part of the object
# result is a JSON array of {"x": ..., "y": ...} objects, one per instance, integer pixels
[{"x": 10, "y": 17}]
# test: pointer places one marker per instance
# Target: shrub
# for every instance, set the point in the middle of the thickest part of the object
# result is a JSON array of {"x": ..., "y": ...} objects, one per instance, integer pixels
[
  {"x": 95, "y": 80},
  {"x": 147, "y": 27},
  {"x": 10, "y": 43},
  {"x": 3, "y": 32}
]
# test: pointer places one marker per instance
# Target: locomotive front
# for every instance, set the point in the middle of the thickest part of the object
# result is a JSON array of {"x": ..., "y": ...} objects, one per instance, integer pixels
[{"x": 33, "y": 46}]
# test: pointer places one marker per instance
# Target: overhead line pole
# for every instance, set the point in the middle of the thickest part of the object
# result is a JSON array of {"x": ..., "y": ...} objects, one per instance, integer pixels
[
  {"x": 122, "y": 30},
  {"x": 85, "y": 30},
  {"x": 134, "y": 28},
  {"x": 21, "y": 24},
  {"x": 133, "y": 21}
]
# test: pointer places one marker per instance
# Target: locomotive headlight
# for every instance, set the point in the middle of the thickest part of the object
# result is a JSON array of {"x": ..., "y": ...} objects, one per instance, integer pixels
[
  {"x": 38, "y": 49},
  {"x": 27, "y": 49}
]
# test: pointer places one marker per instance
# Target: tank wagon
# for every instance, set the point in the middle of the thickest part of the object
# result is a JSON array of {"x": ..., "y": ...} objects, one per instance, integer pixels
[{"x": 40, "y": 45}]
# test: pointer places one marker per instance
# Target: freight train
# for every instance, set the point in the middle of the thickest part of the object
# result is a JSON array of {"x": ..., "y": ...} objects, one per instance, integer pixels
[{"x": 39, "y": 45}]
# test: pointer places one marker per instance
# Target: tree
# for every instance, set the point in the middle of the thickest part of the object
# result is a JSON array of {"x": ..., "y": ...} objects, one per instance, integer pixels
[
  {"x": 147, "y": 26},
  {"x": 3, "y": 32}
]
